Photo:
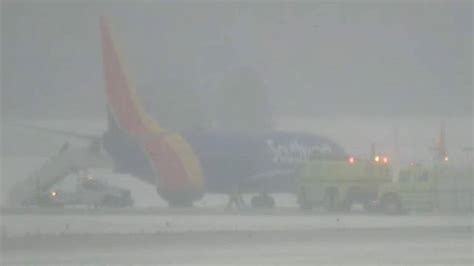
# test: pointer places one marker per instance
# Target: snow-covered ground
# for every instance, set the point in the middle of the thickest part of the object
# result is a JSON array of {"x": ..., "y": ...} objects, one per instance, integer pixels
[
  {"x": 126, "y": 222},
  {"x": 225, "y": 239},
  {"x": 363, "y": 249}
]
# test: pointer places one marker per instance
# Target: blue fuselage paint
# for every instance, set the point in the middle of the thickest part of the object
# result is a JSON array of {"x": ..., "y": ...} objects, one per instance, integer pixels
[{"x": 248, "y": 160}]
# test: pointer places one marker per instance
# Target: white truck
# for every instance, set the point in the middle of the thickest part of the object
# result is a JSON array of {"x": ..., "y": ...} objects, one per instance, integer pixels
[{"x": 90, "y": 192}]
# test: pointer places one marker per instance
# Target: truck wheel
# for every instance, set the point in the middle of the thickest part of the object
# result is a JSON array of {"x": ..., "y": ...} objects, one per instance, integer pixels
[{"x": 391, "y": 204}]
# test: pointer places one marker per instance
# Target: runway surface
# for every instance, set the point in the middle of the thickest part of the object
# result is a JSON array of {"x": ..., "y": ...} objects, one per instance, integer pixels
[{"x": 221, "y": 237}]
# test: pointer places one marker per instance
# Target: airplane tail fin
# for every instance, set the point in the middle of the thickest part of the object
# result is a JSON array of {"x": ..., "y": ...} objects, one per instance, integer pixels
[
  {"x": 121, "y": 95},
  {"x": 176, "y": 165}
]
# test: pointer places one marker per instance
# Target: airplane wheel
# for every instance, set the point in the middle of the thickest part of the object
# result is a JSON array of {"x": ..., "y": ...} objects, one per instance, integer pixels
[{"x": 263, "y": 202}]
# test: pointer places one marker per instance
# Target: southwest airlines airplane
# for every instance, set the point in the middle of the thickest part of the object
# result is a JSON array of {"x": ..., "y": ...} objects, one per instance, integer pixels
[{"x": 183, "y": 166}]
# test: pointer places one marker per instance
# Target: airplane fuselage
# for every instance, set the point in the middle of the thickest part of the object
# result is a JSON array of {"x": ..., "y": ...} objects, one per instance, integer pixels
[{"x": 247, "y": 160}]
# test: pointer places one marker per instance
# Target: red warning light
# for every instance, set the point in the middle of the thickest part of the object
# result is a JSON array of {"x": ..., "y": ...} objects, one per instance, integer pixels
[
  {"x": 351, "y": 160},
  {"x": 385, "y": 160}
]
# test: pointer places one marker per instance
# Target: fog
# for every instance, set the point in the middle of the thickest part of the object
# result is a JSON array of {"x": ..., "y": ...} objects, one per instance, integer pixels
[
  {"x": 369, "y": 58},
  {"x": 245, "y": 102}
]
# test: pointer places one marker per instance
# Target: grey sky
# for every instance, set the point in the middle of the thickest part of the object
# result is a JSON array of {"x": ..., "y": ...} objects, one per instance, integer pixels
[{"x": 383, "y": 58}]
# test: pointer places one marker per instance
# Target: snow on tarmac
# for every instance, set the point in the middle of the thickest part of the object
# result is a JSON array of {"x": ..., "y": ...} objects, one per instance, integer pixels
[
  {"x": 23, "y": 224},
  {"x": 187, "y": 237}
]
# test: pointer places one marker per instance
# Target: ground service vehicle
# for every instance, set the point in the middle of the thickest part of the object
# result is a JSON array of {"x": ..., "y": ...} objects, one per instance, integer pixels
[
  {"x": 94, "y": 193},
  {"x": 89, "y": 191},
  {"x": 36, "y": 189},
  {"x": 337, "y": 185},
  {"x": 442, "y": 187}
]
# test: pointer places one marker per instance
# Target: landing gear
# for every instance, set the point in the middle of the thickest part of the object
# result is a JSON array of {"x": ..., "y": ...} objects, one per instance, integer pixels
[
  {"x": 263, "y": 201},
  {"x": 235, "y": 201},
  {"x": 177, "y": 200}
]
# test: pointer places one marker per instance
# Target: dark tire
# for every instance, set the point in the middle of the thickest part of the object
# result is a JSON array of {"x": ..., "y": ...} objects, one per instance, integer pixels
[
  {"x": 179, "y": 200},
  {"x": 391, "y": 204}
]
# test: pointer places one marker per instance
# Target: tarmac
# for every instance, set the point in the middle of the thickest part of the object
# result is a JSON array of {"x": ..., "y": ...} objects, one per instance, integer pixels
[{"x": 217, "y": 236}]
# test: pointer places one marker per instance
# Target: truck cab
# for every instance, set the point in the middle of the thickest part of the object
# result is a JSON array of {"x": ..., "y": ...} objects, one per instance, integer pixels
[
  {"x": 337, "y": 185},
  {"x": 441, "y": 187}
]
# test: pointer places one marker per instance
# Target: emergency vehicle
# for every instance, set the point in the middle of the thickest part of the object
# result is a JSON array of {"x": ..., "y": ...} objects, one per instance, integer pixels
[
  {"x": 441, "y": 187},
  {"x": 337, "y": 185}
]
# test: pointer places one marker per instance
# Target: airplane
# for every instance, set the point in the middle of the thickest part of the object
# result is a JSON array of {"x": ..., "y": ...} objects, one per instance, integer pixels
[{"x": 185, "y": 165}]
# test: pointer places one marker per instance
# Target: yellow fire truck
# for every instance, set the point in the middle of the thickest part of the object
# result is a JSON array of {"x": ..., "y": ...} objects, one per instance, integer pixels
[
  {"x": 337, "y": 185},
  {"x": 442, "y": 187}
]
